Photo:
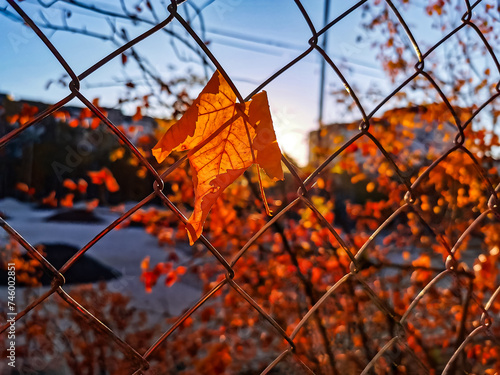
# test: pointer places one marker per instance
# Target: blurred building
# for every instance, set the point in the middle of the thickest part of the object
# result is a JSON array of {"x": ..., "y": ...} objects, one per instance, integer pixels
[
  {"x": 422, "y": 127},
  {"x": 68, "y": 144},
  {"x": 10, "y": 106}
]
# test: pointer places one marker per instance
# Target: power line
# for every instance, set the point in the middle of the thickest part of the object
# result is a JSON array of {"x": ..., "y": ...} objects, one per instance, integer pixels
[{"x": 255, "y": 39}]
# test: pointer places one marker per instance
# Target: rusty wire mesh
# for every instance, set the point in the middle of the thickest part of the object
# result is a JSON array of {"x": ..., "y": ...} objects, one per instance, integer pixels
[{"x": 141, "y": 359}]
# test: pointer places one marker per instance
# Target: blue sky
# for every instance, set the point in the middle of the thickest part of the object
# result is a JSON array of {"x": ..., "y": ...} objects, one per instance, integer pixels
[{"x": 251, "y": 39}]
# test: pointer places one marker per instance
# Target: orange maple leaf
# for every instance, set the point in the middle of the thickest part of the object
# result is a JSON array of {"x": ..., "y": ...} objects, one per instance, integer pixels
[{"x": 225, "y": 139}]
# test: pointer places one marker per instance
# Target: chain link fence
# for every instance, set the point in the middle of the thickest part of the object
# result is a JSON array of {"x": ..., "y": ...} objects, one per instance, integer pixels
[{"x": 398, "y": 341}]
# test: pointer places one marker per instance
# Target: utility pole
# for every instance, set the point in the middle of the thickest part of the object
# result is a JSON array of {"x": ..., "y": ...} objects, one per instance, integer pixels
[{"x": 323, "y": 64}]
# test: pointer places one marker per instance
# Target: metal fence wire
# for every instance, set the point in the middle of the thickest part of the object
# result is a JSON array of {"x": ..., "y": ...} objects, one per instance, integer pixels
[{"x": 399, "y": 339}]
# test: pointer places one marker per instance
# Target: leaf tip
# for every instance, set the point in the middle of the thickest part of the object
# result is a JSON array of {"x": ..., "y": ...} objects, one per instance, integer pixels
[
  {"x": 192, "y": 234},
  {"x": 159, "y": 154}
]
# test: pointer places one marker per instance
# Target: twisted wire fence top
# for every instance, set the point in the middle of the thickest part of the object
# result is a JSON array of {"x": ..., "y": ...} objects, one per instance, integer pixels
[{"x": 303, "y": 196}]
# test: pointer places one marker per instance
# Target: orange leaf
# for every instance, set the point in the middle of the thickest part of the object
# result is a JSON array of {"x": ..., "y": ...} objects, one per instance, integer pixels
[
  {"x": 73, "y": 123},
  {"x": 67, "y": 201},
  {"x": 50, "y": 200},
  {"x": 12, "y": 119},
  {"x": 91, "y": 205},
  {"x": 138, "y": 114},
  {"x": 181, "y": 270},
  {"x": 95, "y": 123},
  {"x": 111, "y": 183},
  {"x": 357, "y": 341},
  {"x": 170, "y": 279},
  {"x": 316, "y": 274},
  {"x": 82, "y": 185},
  {"x": 237, "y": 135},
  {"x": 149, "y": 279},
  {"x": 104, "y": 176},
  {"x": 145, "y": 263},
  {"x": 69, "y": 184},
  {"x": 117, "y": 154},
  {"x": 21, "y": 186},
  {"x": 97, "y": 177}
]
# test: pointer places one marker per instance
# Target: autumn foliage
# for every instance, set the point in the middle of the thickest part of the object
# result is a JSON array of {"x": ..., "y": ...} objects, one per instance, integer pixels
[{"x": 443, "y": 239}]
